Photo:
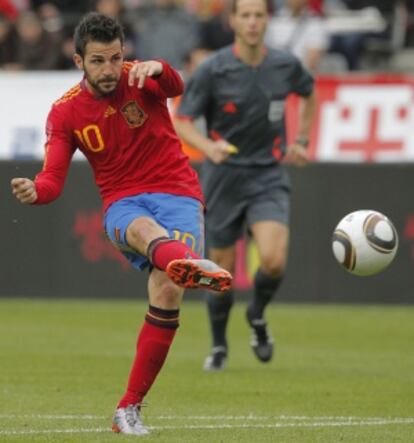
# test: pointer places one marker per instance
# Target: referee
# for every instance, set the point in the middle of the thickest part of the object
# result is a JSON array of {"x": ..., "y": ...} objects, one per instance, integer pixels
[{"x": 241, "y": 91}]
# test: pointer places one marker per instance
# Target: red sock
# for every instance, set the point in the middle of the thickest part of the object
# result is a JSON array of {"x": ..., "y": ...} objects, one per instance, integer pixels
[
  {"x": 165, "y": 250},
  {"x": 153, "y": 344}
]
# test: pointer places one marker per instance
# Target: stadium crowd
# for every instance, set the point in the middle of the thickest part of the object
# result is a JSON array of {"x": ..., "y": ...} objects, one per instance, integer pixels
[{"x": 328, "y": 35}]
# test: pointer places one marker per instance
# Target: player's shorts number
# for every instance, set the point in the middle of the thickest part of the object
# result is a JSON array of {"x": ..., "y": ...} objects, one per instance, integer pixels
[
  {"x": 186, "y": 238},
  {"x": 94, "y": 143}
]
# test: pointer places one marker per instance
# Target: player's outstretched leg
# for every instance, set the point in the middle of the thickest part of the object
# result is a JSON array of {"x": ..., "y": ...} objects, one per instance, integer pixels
[
  {"x": 185, "y": 268},
  {"x": 128, "y": 421},
  {"x": 199, "y": 273}
]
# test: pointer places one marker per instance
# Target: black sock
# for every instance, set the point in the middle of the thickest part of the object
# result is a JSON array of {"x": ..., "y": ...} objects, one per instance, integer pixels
[
  {"x": 265, "y": 288},
  {"x": 219, "y": 307}
]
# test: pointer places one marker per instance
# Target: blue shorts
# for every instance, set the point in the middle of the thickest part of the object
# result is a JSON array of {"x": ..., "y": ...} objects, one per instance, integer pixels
[{"x": 182, "y": 217}]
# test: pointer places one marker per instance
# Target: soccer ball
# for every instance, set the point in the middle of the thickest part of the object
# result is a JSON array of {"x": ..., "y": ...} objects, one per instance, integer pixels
[{"x": 365, "y": 242}]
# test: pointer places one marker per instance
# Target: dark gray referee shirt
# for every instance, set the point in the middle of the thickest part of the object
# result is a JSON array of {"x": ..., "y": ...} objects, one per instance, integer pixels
[{"x": 246, "y": 105}]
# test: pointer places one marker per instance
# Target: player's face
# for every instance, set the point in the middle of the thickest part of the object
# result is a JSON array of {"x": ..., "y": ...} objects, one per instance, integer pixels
[
  {"x": 102, "y": 64},
  {"x": 249, "y": 22}
]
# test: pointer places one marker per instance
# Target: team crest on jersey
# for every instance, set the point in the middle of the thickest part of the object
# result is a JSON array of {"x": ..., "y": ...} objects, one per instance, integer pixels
[{"x": 134, "y": 115}]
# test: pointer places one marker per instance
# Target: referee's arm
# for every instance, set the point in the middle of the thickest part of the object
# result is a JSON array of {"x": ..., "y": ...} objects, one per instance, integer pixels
[
  {"x": 297, "y": 153},
  {"x": 306, "y": 115},
  {"x": 216, "y": 150}
]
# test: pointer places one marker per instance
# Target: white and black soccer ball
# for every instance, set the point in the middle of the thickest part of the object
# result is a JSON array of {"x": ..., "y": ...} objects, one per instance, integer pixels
[{"x": 365, "y": 242}]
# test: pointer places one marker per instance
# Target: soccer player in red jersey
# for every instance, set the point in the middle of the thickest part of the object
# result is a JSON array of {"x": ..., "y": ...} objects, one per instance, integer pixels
[{"x": 117, "y": 116}]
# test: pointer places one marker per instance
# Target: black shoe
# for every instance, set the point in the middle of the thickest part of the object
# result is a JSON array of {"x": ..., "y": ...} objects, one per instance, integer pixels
[
  {"x": 261, "y": 340},
  {"x": 217, "y": 359}
]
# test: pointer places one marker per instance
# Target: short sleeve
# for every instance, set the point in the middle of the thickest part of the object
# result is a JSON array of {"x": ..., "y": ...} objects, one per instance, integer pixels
[
  {"x": 302, "y": 80},
  {"x": 197, "y": 94}
]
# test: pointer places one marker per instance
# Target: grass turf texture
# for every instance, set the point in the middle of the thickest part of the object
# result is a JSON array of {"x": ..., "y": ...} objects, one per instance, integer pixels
[{"x": 341, "y": 374}]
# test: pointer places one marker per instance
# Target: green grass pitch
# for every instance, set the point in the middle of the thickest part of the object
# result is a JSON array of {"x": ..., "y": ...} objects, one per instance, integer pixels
[{"x": 341, "y": 374}]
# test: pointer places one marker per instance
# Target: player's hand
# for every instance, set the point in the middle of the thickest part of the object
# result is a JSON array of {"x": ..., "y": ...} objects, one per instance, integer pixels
[
  {"x": 24, "y": 190},
  {"x": 297, "y": 155},
  {"x": 141, "y": 70}
]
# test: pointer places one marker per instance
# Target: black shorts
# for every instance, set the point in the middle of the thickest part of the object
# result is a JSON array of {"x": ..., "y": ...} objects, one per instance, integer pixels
[{"x": 239, "y": 196}]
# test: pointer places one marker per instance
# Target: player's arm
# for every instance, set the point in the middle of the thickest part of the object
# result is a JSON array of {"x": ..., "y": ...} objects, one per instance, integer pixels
[
  {"x": 157, "y": 76},
  {"x": 24, "y": 190},
  {"x": 48, "y": 184}
]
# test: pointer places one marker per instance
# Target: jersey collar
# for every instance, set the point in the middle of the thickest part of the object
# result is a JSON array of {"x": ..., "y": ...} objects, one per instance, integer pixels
[{"x": 236, "y": 50}]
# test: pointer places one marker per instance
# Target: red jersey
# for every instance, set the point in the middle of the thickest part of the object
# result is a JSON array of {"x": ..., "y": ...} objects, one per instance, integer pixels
[{"x": 127, "y": 137}]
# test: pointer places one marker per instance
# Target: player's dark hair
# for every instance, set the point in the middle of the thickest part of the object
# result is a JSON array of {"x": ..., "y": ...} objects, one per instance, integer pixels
[{"x": 95, "y": 27}]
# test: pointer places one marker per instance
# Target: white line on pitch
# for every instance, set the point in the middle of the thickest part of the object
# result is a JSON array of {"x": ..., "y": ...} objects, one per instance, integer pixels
[
  {"x": 275, "y": 417},
  {"x": 55, "y": 417},
  {"x": 223, "y": 426},
  {"x": 288, "y": 425},
  {"x": 54, "y": 431},
  {"x": 206, "y": 417}
]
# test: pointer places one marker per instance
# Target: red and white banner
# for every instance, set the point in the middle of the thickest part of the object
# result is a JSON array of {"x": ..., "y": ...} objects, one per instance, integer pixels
[{"x": 360, "y": 118}]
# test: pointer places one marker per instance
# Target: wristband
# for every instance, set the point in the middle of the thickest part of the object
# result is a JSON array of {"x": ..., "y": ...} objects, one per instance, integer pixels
[{"x": 303, "y": 141}]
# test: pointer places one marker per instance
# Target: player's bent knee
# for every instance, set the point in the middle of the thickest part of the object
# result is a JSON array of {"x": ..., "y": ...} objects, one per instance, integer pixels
[{"x": 143, "y": 226}]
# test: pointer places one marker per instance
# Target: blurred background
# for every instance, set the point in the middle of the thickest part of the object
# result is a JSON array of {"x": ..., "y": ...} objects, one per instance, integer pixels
[
  {"x": 328, "y": 35},
  {"x": 362, "y": 145}
]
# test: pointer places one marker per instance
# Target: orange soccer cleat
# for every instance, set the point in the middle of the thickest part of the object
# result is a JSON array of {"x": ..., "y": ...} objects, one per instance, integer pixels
[{"x": 199, "y": 274}]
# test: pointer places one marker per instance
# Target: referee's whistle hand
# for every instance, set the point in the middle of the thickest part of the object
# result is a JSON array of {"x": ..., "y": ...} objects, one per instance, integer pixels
[{"x": 219, "y": 151}]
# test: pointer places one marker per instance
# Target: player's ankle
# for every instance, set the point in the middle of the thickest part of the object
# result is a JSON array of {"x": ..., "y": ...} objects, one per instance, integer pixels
[{"x": 162, "y": 251}]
